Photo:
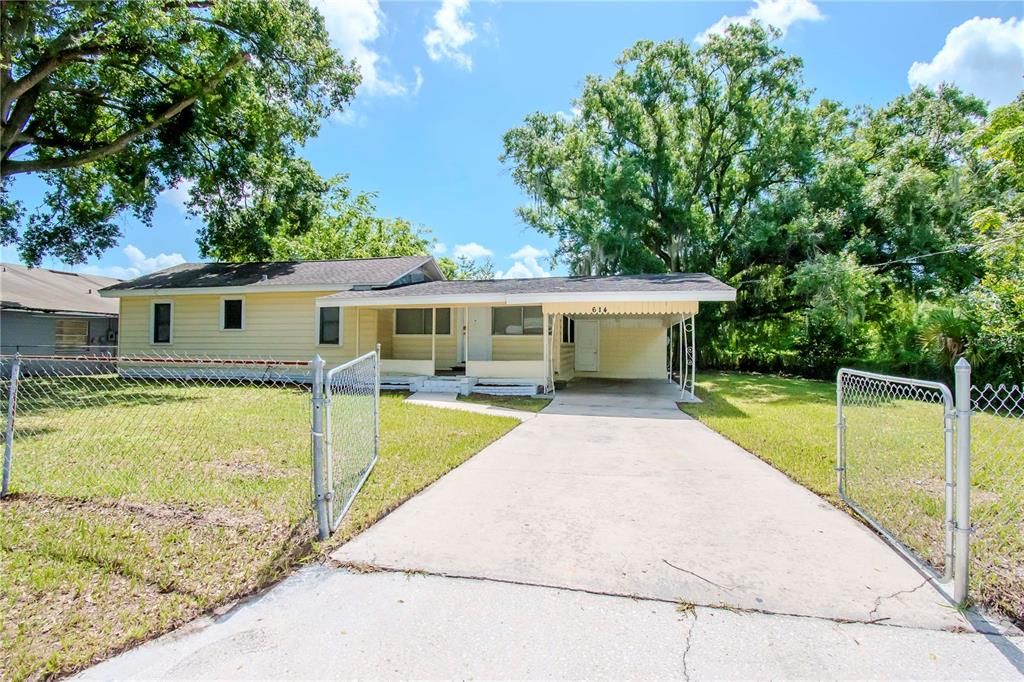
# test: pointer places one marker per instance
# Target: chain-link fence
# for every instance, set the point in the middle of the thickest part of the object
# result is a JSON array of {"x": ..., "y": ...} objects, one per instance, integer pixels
[
  {"x": 896, "y": 462},
  {"x": 206, "y": 438},
  {"x": 997, "y": 496},
  {"x": 352, "y": 400}
]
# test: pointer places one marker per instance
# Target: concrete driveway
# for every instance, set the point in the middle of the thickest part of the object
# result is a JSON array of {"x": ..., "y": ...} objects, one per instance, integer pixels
[{"x": 613, "y": 490}]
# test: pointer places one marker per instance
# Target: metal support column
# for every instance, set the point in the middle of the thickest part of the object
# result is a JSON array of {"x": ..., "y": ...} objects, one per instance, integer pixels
[
  {"x": 319, "y": 470},
  {"x": 962, "y": 531},
  {"x": 12, "y": 401}
]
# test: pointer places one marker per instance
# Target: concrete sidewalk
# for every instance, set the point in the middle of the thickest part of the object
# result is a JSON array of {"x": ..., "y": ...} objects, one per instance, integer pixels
[{"x": 326, "y": 623}]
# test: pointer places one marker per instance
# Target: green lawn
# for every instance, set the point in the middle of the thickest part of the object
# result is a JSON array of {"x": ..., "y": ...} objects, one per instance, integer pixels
[
  {"x": 894, "y": 466},
  {"x": 138, "y": 505},
  {"x": 511, "y": 402}
]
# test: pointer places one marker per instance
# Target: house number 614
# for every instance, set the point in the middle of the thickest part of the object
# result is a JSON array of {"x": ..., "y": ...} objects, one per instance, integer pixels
[{"x": 599, "y": 309}]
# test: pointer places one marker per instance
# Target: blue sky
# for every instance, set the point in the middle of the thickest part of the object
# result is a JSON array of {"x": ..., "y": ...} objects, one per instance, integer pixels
[{"x": 444, "y": 80}]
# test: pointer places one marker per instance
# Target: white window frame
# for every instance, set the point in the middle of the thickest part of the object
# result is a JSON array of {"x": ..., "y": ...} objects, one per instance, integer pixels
[
  {"x": 523, "y": 333},
  {"x": 152, "y": 323},
  {"x": 451, "y": 322},
  {"x": 341, "y": 326},
  {"x": 223, "y": 300}
]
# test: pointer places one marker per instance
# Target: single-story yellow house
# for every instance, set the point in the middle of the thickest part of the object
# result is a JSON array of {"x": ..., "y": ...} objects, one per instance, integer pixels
[{"x": 491, "y": 336}]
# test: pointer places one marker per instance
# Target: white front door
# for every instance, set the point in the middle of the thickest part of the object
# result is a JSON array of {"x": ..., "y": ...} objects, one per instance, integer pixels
[
  {"x": 588, "y": 336},
  {"x": 460, "y": 334},
  {"x": 479, "y": 328}
]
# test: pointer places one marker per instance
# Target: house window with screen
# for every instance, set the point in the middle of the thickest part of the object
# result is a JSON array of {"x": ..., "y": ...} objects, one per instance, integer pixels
[
  {"x": 419, "y": 321},
  {"x": 330, "y": 326},
  {"x": 72, "y": 333},
  {"x": 517, "y": 320},
  {"x": 162, "y": 316},
  {"x": 232, "y": 314},
  {"x": 568, "y": 330}
]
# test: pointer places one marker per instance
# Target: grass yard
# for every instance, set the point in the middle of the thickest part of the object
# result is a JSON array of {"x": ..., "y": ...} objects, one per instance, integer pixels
[
  {"x": 138, "y": 505},
  {"x": 511, "y": 402},
  {"x": 894, "y": 466}
]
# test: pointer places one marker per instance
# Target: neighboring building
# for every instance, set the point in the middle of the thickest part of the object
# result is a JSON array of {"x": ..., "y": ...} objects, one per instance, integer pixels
[
  {"x": 433, "y": 333},
  {"x": 43, "y": 312}
]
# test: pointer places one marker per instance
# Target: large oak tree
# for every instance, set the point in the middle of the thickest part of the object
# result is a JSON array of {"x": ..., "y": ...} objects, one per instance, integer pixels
[{"x": 111, "y": 102}]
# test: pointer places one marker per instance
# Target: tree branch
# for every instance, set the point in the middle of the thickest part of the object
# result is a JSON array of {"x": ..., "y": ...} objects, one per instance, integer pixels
[{"x": 123, "y": 140}]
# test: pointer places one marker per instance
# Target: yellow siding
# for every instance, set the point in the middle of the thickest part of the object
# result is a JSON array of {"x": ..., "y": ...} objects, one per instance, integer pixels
[
  {"x": 566, "y": 360},
  {"x": 417, "y": 347},
  {"x": 277, "y": 325},
  {"x": 517, "y": 348},
  {"x": 385, "y": 328},
  {"x": 367, "y": 329},
  {"x": 630, "y": 349}
]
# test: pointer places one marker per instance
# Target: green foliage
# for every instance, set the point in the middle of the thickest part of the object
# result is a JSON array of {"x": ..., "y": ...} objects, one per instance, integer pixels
[
  {"x": 113, "y": 101},
  {"x": 464, "y": 267},
  {"x": 849, "y": 235},
  {"x": 347, "y": 227}
]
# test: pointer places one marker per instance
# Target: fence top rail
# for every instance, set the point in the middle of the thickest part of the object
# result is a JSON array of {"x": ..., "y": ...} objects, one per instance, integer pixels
[
  {"x": 157, "y": 360},
  {"x": 350, "y": 363},
  {"x": 889, "y": 379}
]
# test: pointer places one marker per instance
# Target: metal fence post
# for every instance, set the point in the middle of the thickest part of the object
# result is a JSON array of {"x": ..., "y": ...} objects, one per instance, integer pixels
[
  {"x": 840, "y": 437},
  {"x": 961, "y": 543},
  {"x": 12, "y": 399},
  {"x": 376, "y": 405},
  {"x": 319, "y": 473}
]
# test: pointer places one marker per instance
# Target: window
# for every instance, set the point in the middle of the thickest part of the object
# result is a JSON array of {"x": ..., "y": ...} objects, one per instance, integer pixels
[
  {"x": 418, "y": 321},
  {"x": 162, "y": 319},
  {"x": 232, "y": 313},
  {"x": 72, "y": 333},
  {"x": 329, "y": 327},
  {"x": 517, "y": 320},
  {"x": 568, "y": 330}
]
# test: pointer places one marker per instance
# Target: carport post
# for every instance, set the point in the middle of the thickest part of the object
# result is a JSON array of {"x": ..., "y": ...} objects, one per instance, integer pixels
[
  {"x": 682, "y": 356},
  {"x": 547, "y": 348}
]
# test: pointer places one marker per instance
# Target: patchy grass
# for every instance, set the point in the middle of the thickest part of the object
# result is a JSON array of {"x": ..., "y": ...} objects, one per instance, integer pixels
[
  {"x": 511, "y": 402},
  {"x": 139, "y": 505},
  {"x": 895, "y": 466}
]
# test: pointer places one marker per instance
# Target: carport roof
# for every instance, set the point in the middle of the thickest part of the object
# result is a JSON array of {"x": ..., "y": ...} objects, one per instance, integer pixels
[{"x": 679, "y": 286}]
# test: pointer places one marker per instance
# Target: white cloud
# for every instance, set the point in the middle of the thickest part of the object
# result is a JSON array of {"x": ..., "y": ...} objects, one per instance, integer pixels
[
  {"x": 982, "y": 56},
  {"x": 138, "y": 264},
  {"x": 177, "y": 194},
  {"x": 419, "y": 80},
  {"x": 450, "y": 34},
  {"x": 527, "y": 264},
  {"x": 528, "y": 251},
  {"x": 778, "y": 13},
  {"x": 439, "y": 248},
  {"x": 472, "y": 250},
  {"x": 354, "y": 25}
]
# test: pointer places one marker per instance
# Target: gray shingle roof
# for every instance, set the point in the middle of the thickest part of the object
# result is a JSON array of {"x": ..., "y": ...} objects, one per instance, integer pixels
[
  {"x": 328, "y": 273},
  {"x": 679, "y": 282},
  {"x": 40, "y": 289}
]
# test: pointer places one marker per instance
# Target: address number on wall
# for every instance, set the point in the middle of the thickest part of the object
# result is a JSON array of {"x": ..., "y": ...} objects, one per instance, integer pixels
[{"x": 599, "y": 309}]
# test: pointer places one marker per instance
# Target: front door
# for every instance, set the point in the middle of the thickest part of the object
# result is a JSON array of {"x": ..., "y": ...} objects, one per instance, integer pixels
[
  {"x": 588, "y": 335},
  {"x": 479, "y": 329}
]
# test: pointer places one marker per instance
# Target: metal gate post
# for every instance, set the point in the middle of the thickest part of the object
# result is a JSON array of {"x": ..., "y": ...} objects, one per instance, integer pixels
[
  {"x": 376, "y": 406},
  {"x": 319, "y": 484},
  {"x": 12, "y": 400},
  {"x": 840, "y": 437},
  {"x": 962, "y": 538}
]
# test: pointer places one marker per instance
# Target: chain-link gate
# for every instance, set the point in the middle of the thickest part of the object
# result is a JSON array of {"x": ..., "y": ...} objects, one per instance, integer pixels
[
  {"x": 346, "y": 434},
  {"x": 895, "y": 468},
  {"x": 902, "y": 451}
]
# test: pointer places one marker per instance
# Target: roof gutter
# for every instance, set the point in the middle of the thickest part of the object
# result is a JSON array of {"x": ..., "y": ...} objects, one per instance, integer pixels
[{"x": 529, "y": 299}]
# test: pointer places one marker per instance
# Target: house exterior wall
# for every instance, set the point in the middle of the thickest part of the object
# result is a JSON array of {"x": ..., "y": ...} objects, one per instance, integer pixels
[
  {"x": 35, "y": 333},
  {"x": 566, "y": 368},
  {"x": 630, "y": 348},
  {"x": 277, "y": 325},
  {"x": 516, "y": 347}
]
